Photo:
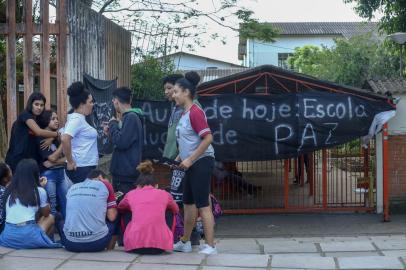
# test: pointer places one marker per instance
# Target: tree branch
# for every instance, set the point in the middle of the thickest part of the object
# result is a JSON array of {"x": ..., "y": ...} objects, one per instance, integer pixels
[{"x": 105, "y": 5}]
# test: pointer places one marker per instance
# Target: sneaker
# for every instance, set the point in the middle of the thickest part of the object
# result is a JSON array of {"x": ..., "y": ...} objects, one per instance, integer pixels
[
  {"x": 182, "y": 247},
  {"x": 208, "y": 250}
]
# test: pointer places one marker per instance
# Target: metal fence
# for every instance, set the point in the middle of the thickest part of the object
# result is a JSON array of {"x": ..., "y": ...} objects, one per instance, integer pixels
[{"x": 336, "y": 179}]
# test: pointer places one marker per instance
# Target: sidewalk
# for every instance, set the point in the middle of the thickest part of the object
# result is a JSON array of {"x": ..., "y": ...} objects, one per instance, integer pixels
[{"x": 362, "y": 252}]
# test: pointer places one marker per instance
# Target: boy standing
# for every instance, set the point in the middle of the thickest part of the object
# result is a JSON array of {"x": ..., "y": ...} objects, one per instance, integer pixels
[{"x": 127, "y": 138}]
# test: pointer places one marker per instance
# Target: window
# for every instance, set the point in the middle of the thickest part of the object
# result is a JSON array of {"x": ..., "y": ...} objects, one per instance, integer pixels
[{"x": 283, "y": 60}]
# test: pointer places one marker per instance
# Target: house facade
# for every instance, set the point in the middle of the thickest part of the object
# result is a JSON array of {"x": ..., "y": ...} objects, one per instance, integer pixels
[
  {"x": 188, "y": 61},
  {"x": 297, "y": 34}
]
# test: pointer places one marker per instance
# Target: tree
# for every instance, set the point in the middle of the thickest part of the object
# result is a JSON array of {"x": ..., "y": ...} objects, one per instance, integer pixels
[
  {"x": 188, "y": 18},
  {"x": 146, "y": 77},
  {"x": 349, "y": 62},
  {"x": 393, "y": 11}
]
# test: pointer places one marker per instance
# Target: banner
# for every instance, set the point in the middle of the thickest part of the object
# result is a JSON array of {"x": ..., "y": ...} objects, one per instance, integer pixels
[
  {"x": 103, "y": 109},
  {"x": 252, "y": 127}
]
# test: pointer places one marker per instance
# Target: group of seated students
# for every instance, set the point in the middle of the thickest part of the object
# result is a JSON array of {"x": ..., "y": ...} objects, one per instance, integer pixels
[{"x": 92, "y": 215}]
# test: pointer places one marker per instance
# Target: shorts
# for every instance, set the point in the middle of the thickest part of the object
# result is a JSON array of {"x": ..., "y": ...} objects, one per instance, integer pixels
[
  {"x": 80, "y": 174},
  {"x": 196, "y": 186}
]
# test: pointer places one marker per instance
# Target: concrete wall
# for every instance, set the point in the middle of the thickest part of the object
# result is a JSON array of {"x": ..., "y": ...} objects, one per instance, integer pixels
[
  {"x": 265, "y": 53},
  {"x": 397, "y": 157}
]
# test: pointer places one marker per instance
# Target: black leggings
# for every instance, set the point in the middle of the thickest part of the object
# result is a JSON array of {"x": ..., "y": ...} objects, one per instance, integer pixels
[{"x": 148, "y": 251}]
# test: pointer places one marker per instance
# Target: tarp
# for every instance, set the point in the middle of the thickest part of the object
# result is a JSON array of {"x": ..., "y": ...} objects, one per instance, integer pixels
[
  {"x": 103, "y": 109},
  {"x": 252, "y": 127}
]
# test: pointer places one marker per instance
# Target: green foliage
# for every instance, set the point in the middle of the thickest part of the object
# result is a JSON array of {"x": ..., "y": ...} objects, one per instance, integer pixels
[
  {"x": 252, "y": 29},
  {"x": 349, "y": 62},
  {"x": 393, "y": 11},
  {"x": 146, "y": 78}
]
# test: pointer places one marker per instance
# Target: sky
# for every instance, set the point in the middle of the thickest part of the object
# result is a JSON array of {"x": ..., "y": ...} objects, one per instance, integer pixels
[
  {"x": 280, "y": 11},
  {"x": 267, "y": 11}
]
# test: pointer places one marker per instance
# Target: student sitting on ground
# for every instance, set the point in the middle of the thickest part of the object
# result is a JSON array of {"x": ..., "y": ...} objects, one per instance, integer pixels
[
  {"x": 25, "y": 200},
  {"x": 148, "y": 233},
  {"x": 5, "y": 178},
  {"x": 91, "y": 212}
]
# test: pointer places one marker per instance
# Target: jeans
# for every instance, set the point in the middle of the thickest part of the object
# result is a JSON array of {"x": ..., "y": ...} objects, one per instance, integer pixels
[{"x": 57, "y": 186}]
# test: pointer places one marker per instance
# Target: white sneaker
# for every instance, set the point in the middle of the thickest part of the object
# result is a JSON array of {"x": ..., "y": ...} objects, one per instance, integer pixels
[
  {"x": 208, "y": 250},
  {"x": 182, "y": 247}
]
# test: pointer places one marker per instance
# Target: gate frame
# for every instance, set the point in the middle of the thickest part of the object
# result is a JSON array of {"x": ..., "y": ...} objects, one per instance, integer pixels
[
  {"x": 28, "y": 29},
  {"x": 281, "y": 78}
]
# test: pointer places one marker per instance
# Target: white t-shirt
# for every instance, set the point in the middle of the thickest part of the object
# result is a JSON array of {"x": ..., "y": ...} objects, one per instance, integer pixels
[
  {"x": 19, "y": 213},
  {"x": 84, "y": 140}
]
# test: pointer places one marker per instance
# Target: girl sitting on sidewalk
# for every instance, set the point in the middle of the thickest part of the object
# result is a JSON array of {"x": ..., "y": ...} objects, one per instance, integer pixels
[
  {"x": 25, "y": 200},
  {"x": 5, "y": 178},
  {"x": 147, "y": 232}
]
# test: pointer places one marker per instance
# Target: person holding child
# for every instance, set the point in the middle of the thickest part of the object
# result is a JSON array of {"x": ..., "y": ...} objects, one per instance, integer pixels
[
  {"x": 52, "y": 164},
  {"x": 26, "y": 198},
  {"x": 91, "y": 214},
  {"x": 147, "y": 232},
  {"x": 24, "y": 131},
  {"x": 196, "y": 155}
]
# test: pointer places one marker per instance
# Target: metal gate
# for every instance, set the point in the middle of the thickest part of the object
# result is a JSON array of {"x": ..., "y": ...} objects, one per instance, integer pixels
[{"x": 336, "y": 179}]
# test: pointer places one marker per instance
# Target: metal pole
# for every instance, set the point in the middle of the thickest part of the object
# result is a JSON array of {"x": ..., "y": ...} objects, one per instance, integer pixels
[
  {"x": 385, "y": 151},
  {"x": 401, "y": 60}
]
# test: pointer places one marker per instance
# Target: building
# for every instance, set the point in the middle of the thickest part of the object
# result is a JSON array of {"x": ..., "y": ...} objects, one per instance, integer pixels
[
  {"x": 397, "y": 138},
  {"x": 188, "y": 61},
  {"x": 297, "y": 34}
]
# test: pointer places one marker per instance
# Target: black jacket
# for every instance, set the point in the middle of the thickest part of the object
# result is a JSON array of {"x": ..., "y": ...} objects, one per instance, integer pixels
[{"x": 127, "y": 141}]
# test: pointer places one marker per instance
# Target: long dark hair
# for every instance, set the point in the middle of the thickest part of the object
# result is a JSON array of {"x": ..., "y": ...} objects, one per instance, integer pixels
[
  {"x": 4, "y": 172},
  {"x": 24, "y": 184},
  {"x": 34, "y": 97}
]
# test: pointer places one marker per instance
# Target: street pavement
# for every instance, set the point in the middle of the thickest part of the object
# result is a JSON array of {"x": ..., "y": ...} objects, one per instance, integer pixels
[
  {"x": 356, "y": 252},
  {"x": 318, "y": 241}
]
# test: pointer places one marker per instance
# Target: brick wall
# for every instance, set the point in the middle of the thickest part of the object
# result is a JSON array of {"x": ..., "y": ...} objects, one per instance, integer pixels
[{"x": 397, "y": 166}]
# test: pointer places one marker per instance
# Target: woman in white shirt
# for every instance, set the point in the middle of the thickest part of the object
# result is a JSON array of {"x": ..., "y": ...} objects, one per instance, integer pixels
[
  {"x": 26, "y": 199},
  {"x": 79, "y": 141}
]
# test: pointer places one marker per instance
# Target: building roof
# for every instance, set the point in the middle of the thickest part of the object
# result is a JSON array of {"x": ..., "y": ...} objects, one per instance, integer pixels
[
  {"x": 201, "y": 57},
  {"x": 344, "y": 29},
  {"x": 272, "y": 80},
  {"x": 207, "y": 75},
  {"x": 382, "y": 86}
]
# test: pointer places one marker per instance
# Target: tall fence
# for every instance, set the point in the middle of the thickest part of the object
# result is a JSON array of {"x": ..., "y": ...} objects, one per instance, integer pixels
[
  {"x": 97, "y": 46},
  {"x": 79, "y": 41},
  {"x": 27, "y": 28}
]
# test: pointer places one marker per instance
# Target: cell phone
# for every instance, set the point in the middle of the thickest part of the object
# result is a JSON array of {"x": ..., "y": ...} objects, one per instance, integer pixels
[{"x": 118, "y": 195}]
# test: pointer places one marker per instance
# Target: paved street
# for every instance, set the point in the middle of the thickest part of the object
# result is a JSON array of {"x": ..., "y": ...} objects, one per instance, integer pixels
[{"x": 362, "y": 252}]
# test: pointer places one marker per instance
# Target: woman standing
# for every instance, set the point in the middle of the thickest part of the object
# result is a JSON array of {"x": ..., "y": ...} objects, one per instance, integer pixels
[
  {"x": 52, "y": 164},
  {"x": 79, "y": 141},
  {"x": 25, "y": 200},
  {"x": 24, "y": 131},
  {"x": 196, "y": 155}
]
